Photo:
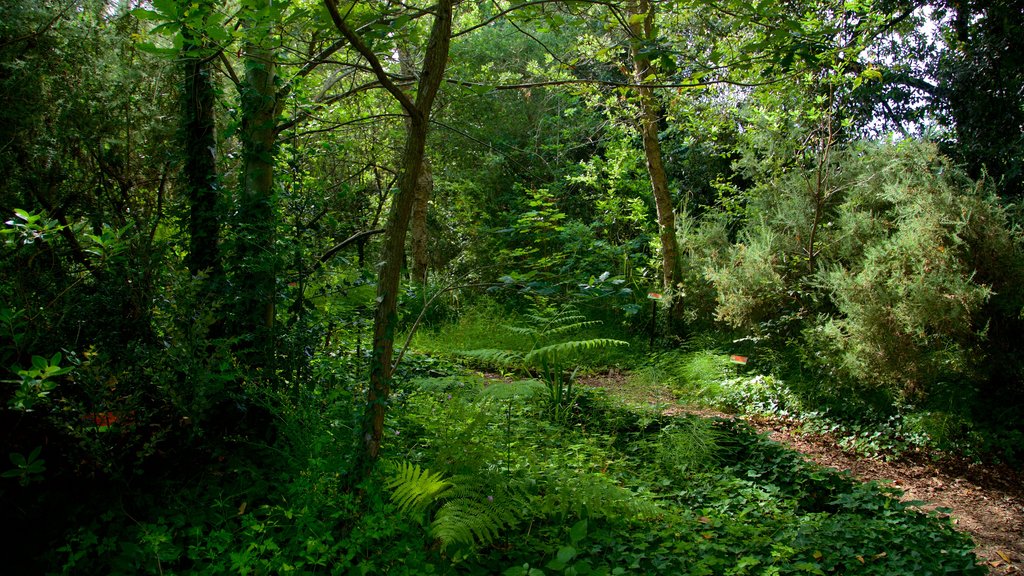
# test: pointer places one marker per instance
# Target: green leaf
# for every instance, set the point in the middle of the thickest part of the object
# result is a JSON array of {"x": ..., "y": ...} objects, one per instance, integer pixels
[
  {"x": 565, "y": 554},
  {"x": 144, "y": 14},
  {"x": 151, "y": 48},
  {"x": 578, "y": 531},
  {"x": 169, "y": 8}
]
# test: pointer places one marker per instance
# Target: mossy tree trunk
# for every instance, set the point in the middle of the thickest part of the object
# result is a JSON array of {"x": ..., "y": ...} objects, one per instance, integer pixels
[{"x": 255, "y": 278}]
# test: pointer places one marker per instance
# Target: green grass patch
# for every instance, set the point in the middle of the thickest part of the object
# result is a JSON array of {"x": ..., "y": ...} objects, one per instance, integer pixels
[{"x": 695, "y": 377}]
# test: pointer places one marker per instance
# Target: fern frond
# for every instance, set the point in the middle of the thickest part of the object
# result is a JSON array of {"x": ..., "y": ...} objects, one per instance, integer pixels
[
  {"x": 494, "y": 356},
  {"x": 578, "y": 324},
  {"x": 595, "y": 496},
  {"x": 522, "y": 330},
  {"x": 555, "y": 353},
  {"x": 517, "y": 389},
  {"x": 471, "y": 521},
  {"x": 415, "y": 488}
]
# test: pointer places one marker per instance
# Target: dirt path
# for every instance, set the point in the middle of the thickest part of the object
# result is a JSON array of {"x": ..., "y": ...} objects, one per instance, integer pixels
[{"x": 987, "y": 500}]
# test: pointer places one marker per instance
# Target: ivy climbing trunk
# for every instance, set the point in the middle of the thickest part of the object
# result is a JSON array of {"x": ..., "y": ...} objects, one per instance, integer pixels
[
  {"x": 390, "y": 267},
  {"x": 200, "y": 170},
  {"x": 641, "y": 28},
  {"x": 256, "y": 277}
]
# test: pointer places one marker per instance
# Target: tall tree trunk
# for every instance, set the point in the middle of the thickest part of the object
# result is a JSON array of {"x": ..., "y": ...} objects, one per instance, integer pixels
[
  {"x": 256, "y": 279},
  {"x": 390, "y": 268},
  {"x": 642, "y": 29},
  {"x": 200, "y": 170}
]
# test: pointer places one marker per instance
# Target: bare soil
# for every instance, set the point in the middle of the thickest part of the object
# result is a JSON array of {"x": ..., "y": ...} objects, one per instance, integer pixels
[{"x": 985, "y": 500}]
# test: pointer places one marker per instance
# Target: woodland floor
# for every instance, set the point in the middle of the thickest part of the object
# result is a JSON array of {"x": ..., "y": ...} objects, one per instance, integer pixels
[{"x": 987, "y": 501}]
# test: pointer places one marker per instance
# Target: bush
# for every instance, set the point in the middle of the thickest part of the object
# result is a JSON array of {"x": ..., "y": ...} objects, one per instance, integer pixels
[{"x": 913, "y": 267}]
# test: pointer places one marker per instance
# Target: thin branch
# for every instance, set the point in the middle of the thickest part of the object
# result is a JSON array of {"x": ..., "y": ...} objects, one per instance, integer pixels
[
  {"x": 306, "y": 69},
  {"x": 336, "y": 125},
  {"x": 614, "y": 84},
  {"x": 321, "y": 104},
  {"x": 419, "y": 318},
  {"x": 326, "y": 256},
  {"x": 513, "y": 9},
  {"x": 378, "y": 69},
  {"x": 229, "y": 70}
]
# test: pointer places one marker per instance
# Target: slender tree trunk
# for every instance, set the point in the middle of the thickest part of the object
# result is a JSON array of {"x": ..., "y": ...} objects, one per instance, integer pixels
[
  {"x": 420, "y": 234},
  {"x": 390, "y": 268},
  {"x": 650, "y": 114},
  {"x": 386, "y": 317},
  {"x": 200, "y": 170},
  {"x": 256, "y": 279},
  {"x": 424, "y": 189}
]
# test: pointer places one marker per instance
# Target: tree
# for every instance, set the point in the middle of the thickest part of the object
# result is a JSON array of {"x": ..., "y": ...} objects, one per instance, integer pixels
[
  {"x": 199, "y": 140},
  {"x": 981, "y": 78},
  {"x": 255, "y": 250},
  {"x": 417, "y": 111},
  {"x": 641, "y": 16}
]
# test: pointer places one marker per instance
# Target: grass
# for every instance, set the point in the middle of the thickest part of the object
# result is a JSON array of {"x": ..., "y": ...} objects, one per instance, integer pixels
[{"x": 695, "y": 377}]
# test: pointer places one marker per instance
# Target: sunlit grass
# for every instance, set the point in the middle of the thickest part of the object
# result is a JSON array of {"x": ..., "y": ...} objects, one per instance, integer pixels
[
  {"x": 695, "y": 377},
  {"x": 488, "y": 326}
]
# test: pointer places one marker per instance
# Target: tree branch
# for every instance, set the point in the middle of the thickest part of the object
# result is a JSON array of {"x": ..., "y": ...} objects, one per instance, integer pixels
[{"x": 371, "y": 58}]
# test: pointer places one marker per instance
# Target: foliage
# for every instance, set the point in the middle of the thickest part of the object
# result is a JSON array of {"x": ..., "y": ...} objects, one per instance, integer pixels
[
  {"x": 146, "y": 324},
  {"x": 549, "y": 353},
  {"x": 901, "y": 295}
]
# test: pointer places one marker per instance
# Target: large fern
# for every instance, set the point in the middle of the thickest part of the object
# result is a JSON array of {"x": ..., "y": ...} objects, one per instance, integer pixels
[
  {"x": 465, "y": 510},
  {"x": 415, "y": 489},
  {"x": 550, "y": 352},
  {"x": 557, "y": 354}
]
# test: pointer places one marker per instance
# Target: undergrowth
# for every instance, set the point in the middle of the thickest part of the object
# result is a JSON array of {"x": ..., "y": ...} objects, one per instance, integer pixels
[
  {"x": 620, "y": 492},
  {"x": 883, "y": 428}
]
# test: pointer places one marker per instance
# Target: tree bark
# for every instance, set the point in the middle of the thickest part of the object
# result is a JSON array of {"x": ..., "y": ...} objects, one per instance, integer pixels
[
  {"x": 419, "y": 231},
  {"x": 650, "y": 113},
  {"x": 256, "y": 278},
  {"x": 424, "y": 189}
]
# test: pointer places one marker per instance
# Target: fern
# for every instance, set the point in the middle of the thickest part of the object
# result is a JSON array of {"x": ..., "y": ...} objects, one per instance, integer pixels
[
  {"x": 495, "y": 356},
  {"x": 473, "y": 519},
  {"x": 549, "y": 353},
  {"x": 555, "y": 354},
  {"x": 575, "y": 326},
  {"x": 591, "y": 495},
  {"x": 415, "y": 489},
  {"x": 465, "y": 514}
]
